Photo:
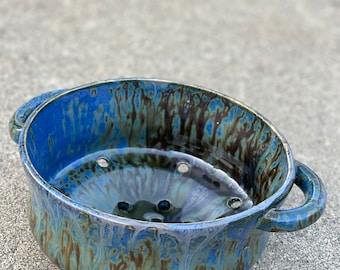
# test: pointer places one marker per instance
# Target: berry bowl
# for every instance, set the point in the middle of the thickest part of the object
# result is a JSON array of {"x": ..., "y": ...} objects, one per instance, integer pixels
[{"x": 151, "y": 174}]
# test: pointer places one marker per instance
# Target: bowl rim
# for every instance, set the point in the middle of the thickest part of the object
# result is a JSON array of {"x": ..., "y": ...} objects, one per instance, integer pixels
[{"x": 259, "y": 209}]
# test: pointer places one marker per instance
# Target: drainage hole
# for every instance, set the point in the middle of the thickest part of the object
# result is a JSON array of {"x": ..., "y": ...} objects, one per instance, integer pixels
[
  {"x": 209, "y": 180},
  {"x": 153, "y": 217},
  {"x": 183, "y": 167},
  {"x": 216, "y": 184},
  {"x": 187, "y": 220},
  {"x": 156, "y": 220},
  {"x": 234, "y": 202},
  {"x": 206, "y": 178},
  {"x": 164, "y": 206},
  {"x": 124, "y": 206},
  {"x": 103, "y": 162}
]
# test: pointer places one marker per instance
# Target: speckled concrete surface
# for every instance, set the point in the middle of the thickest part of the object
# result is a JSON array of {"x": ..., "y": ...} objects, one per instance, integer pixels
[{"x": 280, "y": 57}]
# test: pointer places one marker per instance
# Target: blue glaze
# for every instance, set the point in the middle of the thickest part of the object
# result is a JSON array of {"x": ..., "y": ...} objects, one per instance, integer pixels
[
  {"x": 138, "y": 179},
  {"x": 58, "y": 129},
  {"x": 288, "y": 220},
  {"x": 21, "y": 115}
]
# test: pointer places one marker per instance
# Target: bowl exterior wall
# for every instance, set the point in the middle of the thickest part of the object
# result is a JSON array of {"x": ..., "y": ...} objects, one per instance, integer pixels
[{"x": 76, "y": 240}]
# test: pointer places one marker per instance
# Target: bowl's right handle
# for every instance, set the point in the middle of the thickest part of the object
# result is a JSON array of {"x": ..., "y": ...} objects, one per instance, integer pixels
[
  {"x": 298, "y": 218},
  {"x": 20, "y": 116}
]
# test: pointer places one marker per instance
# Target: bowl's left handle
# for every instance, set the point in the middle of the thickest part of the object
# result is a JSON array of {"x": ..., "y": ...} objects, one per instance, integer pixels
[
  {"x": 276, "y": 220},
  {"x": 20, "y": 116}
]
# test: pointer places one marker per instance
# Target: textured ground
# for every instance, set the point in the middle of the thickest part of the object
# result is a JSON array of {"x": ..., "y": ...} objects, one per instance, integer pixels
[{"x": 280, "y": 57}]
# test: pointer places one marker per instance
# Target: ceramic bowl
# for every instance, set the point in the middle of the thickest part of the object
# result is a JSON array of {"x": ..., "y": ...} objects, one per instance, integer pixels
[{"x": 151, "y": 174}]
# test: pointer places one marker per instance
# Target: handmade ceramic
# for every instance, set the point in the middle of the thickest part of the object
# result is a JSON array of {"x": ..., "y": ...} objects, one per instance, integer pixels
[{"x": 149, "y": 174}]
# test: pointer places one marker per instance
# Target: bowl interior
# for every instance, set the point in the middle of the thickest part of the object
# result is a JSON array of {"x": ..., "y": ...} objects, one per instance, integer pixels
[{"x": 156, "y": 151}]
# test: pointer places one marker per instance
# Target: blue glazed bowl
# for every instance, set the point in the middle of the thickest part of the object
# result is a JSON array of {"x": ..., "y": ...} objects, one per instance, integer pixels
[{"x": 150, "y": 174}]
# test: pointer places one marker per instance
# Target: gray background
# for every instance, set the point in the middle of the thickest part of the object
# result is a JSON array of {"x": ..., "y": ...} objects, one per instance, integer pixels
[{"x": 280, "y": 57}]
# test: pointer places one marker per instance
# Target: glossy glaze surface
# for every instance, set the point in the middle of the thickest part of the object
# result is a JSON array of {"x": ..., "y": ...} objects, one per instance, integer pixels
[
  {"x": 149, "y": 184},
  {"x": 72, "y": 142}
]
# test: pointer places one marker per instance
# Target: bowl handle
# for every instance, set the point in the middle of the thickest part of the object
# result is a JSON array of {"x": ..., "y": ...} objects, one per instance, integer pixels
[
  {"x": 20, "y": 116},
  {"x": 301, "y": 217}
]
